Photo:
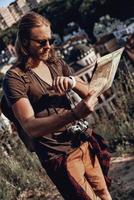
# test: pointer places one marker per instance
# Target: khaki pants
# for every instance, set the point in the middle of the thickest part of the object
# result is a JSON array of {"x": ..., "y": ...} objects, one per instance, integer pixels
[
  {"x": 79, "y": 176},
  {"x": 86, "y": 171}
]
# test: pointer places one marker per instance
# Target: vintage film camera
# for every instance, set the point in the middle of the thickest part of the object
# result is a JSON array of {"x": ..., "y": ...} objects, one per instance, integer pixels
[
  {"x": 80, "y": 127},
  {"x": 77, "y": 132}
]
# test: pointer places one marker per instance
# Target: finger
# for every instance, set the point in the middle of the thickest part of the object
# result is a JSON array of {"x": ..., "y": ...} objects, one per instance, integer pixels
[
  {"x": 61, "y": 84},
  {"x": 55, "y": 84},
  {"x": 66, "y": 84}
]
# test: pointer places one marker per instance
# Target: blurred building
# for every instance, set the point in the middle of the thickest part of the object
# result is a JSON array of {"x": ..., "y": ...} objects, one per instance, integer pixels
[
  {"x": 107, "y": 25},
  {"x": 3, "y": 24},
  {"x": 82, "y": 56},
  {"x": 120, "y": 29},
  {"x": 34, "y": 3},
  {"x": 73, "y": 35},
  {"x": 23, "y": 6},
  {"x": 15, "y": 10},
  {"x": 11, "y": 14},
  {"x": 73, "y": 30},
  {"x": 106, "y": 44},
  {"x": 6, "y": 18},
  {"x": 72, "y": 42}
]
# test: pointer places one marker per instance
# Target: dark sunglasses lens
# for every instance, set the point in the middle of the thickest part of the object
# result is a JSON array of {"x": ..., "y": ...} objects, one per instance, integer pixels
[{"x": 44, "y": 42}]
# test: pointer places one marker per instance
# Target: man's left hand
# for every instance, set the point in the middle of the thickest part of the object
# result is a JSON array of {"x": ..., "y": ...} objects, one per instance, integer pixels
[{"x": 62, "y": 83}]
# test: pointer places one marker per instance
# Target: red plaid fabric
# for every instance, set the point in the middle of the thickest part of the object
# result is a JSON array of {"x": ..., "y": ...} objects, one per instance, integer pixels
[{"x": 100, "y": 149}]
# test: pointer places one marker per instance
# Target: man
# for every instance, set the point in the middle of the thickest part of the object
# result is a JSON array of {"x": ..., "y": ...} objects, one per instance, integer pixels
[{"x": 35, "y": 89}]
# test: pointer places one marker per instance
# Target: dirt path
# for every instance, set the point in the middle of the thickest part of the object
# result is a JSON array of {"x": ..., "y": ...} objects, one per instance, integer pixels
[{"x": 122, "y": 173}]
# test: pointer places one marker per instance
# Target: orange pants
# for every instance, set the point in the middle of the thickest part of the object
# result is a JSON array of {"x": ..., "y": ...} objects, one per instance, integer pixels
[
  {"x": 87, "y": 172},
  {"x": 79, "y": 176}
]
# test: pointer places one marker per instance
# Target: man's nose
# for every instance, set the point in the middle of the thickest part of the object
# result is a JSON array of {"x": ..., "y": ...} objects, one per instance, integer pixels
[{"x": 47, "y": 44}]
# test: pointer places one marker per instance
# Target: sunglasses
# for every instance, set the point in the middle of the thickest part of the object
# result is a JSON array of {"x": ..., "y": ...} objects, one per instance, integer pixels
[{"x": 44, "y": 42}]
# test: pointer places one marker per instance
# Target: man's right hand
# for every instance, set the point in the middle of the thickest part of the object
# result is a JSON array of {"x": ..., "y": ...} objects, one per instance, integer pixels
[{"x": 86, "y": 106}]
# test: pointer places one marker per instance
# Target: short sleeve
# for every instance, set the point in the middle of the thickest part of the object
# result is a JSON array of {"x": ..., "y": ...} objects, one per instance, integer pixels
[
  {"x": 14, "y": 87},
  {"x": 66, "y": 70}
]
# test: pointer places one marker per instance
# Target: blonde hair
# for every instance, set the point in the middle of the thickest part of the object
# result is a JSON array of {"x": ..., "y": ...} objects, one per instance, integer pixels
[{"x": 27, "y": 22}]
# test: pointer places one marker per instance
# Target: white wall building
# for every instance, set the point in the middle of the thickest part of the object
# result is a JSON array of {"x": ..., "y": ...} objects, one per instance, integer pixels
[
  {"x": 12, "y": 13},
  {"x": 3, "y": 24},
  {"x": 7, "y": 17},
  {"x": 87, "y": 58},
  {"x": 15, "y": 11},
  {"x": 23, "y": 6}
]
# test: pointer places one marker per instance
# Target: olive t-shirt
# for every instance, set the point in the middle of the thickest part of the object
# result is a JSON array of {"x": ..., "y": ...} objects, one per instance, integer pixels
[{"x": 42, "y": 97}]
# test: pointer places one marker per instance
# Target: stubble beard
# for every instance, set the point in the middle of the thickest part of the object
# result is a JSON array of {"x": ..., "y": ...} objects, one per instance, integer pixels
[{"x": 45, "y": 56}]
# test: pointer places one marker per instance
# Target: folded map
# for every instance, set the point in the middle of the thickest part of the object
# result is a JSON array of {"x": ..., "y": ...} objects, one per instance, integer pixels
[{"x": 104, "y": 72}]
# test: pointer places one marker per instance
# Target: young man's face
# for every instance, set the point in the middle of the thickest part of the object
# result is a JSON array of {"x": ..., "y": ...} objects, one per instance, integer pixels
[{"x": 40, "y": 42}]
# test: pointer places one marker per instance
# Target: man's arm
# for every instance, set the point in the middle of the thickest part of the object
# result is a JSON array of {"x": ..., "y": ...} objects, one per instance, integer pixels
[
  {"x": 82, "y": 88},
  {"x": 36, "y": 127},
  {"x": 62, "y": 83}
]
